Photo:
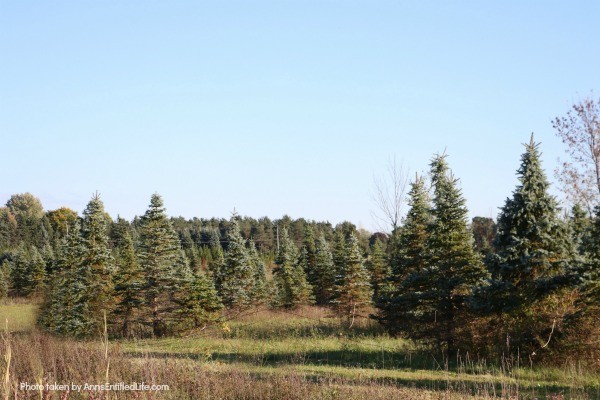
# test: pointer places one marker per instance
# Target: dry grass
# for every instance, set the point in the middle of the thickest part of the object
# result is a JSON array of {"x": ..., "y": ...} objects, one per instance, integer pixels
[{"x": 306, "y": 354}]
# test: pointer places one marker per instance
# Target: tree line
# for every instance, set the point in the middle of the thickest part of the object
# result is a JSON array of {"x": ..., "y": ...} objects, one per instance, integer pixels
[{"x": 526, "y": 283}]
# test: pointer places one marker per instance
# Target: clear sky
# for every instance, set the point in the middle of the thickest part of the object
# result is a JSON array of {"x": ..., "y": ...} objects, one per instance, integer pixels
[{"x": 276, "y": 107}]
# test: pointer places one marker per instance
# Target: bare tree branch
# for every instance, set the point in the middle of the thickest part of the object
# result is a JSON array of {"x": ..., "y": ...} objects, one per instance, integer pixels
[
  {"x": 579, "y": 129},
  {"x": 389, "y": 192}
]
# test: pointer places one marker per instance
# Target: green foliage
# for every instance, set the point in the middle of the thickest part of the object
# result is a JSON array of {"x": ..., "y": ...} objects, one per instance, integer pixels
[
  {"x": 409, "y": 255},
  {"x": 430, "y": 299},
  {"x": 128, "y": 279},
  {"x": 378, "y": 267},
  {"x": 531, "y": 262},
  {"x": 290, "y": 280},
  {"x": 353, "y": 291},
  {"x": 97, "y": 260},
  {"x": 66, "y": 307},
  {"x": 324, "y": 273},
  {"x": 158, "y": 256},
  {"x": 198, "y": 303},
  {"x": 235, "y": 279}
]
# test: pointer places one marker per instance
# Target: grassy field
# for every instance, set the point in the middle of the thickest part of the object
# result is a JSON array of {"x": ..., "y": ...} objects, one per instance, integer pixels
[{"x": 272, "y": 354}]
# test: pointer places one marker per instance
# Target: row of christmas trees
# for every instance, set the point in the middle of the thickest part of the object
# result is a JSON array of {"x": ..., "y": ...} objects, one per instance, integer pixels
[{"x": 537, "y": 284}]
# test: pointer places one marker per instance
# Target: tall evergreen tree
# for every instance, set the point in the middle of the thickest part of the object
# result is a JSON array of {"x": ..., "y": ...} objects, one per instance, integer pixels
[
  {"x": 353, "y": 292},
  {"x": 408, "y": 256},
  {"x": 158, "y": 255},
  {"x": 235, "y": 280},
  {"x": 531, "y": 257},
  {"x": 437, "y": 278},
  {"x": 98, "y": 260},
  {"x": 290, "y": 280}
]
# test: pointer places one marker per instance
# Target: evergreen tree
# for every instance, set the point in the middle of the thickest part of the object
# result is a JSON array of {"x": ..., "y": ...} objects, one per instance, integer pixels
[
  {"x": 98, "y": 260},
  {"x": 408, "y": 256},
  {"x": 259, "y": 291},
  {"x": 531, "y": 258},
  {"x": 290, "y": 279},
  {"x": 309, "y": 251},
  {"x": 128, "y": 279},
  {"x": 36, "y": 272},
  {"x": 353, "y": 292},
  {"x": 339, "y": 251},
  {"x": 235, "y": 281},
  {"x": 409, "y": 251},
  {"x": 378, "y": 267},
  {"x": 19, "y": 272},
  {"x": 3, "y": 284},
  {"x": 199, "y": 302},
  {"x": 431, "y": 300},
  {"x": 158, "y": 256},
  {"x": 324, "y": 273},
  {"x": 66, "y": 308}
]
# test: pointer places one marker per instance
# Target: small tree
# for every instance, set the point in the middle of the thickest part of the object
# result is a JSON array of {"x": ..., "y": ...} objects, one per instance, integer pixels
[
  {"x": 290, "y": 280},
  {"x": 378, "y": 267},
  {"x": 235, "y": 280},
  {"x": 324, "y": 273},
  {"x": 353, "y": 292}
]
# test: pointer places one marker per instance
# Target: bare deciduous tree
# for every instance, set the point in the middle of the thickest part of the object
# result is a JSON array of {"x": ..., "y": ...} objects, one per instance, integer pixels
[
  {"x": 579, "y": 129},
  {"x": 389, "y": 191}
]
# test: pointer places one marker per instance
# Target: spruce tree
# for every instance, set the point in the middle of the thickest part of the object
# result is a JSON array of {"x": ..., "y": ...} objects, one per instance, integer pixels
[
  {"x": 353, "y": 292},
  {"x": 408, "y": 256},
  {"x": 324, "y": 273},
  {"x": 128, "y": 279},
  {"x": 430, "y": 301},
  {"x": 198, "y": 303},
  {"x": 66, "y": 308},
  {"x": 531, "y": 258},
  {"x": 36, "y": 272},
  {"x": 259, "y": 291},
  {"x": 158, "y": 255},
  {"x": 309, "y": 252},
  {"x": 378, "y": 267},
  {"x": 290, "y": 280},
  {"x": 456, "y": 270},
  {"x": 98, "y": 260},
  {"x": 235, "y": 280}
]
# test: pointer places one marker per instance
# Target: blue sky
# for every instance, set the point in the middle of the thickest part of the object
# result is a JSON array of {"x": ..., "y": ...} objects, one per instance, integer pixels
[{"x": 284, "y": 106}]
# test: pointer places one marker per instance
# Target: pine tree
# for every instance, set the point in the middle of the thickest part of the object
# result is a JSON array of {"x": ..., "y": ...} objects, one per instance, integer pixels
[
  {"x": 259, "y": 291},
  {"x": 158, "y": 254},
  {"x": 378, "y": 267},
  {"x": 199, "y": 303},
  {"x": 324, "y": 273},
  {"x": 36, "y": 272},
  {"x": 409, "y": 251},
  {"x": 456, "y": 270},
  {"x": 353, "y": 292},
  {"x": 128, "y": 279},
  {"x": 97, "y": 260},
  {"x": 309, "y": 251},
  {"x": 66, "y": 308},
  {"x": 290, "y": 280},
  {"x": 531, "y": 258},
  {"x": 408, "y": 256},
  {"x": 19, "y": 272},
  {"x": 431, "y": 300},
  {"x": 235, "y": 280}
]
